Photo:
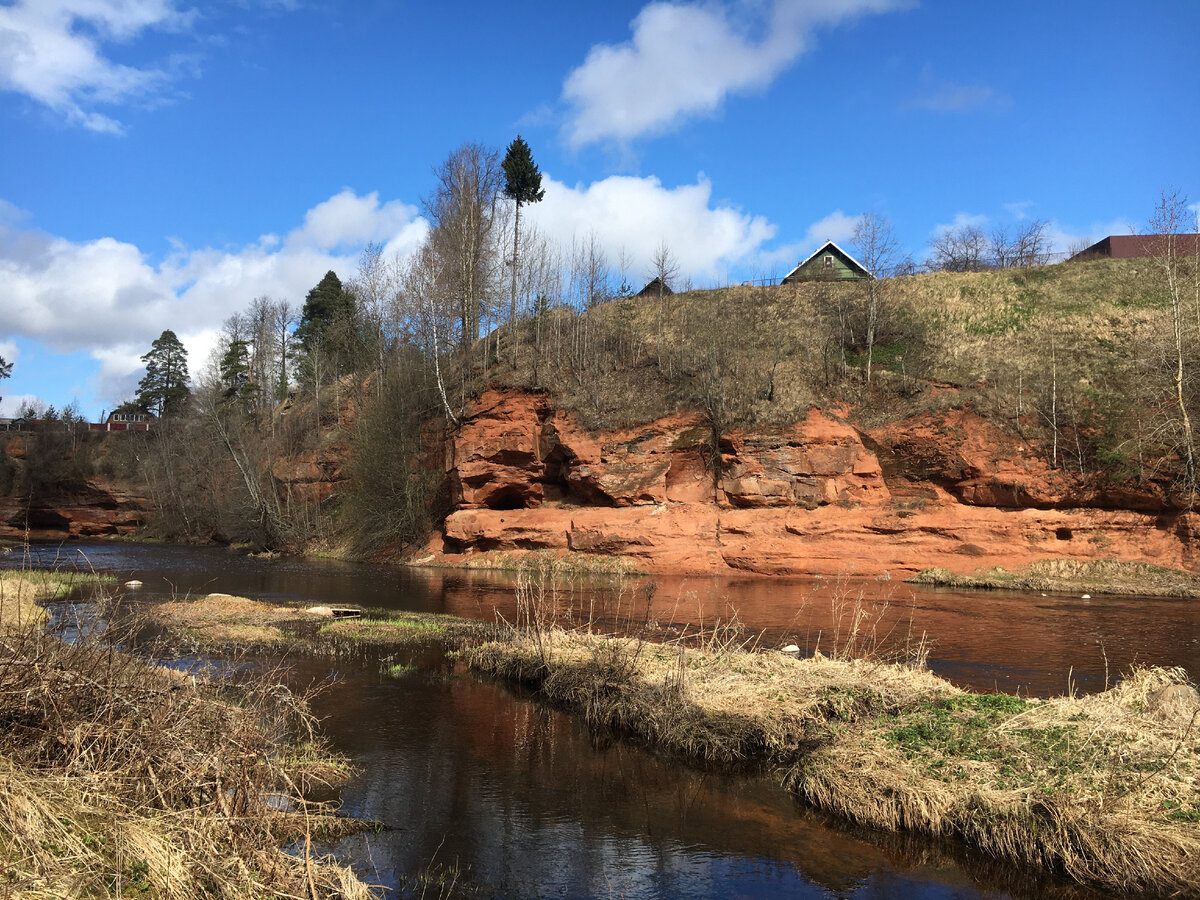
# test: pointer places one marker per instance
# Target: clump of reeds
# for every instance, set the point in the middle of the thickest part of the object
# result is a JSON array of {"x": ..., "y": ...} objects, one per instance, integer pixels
[{"x": 119, "y": 777}]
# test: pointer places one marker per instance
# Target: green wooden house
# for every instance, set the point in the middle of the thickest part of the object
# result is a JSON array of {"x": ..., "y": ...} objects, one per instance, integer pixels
[{"x": 829, "y": 263}]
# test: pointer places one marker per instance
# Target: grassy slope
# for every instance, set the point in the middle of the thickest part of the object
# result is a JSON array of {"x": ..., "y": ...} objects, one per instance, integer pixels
[{"x": 981, "y": 331}]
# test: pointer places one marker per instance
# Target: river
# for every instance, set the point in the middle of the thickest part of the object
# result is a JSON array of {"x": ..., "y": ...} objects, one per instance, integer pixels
[{"x": 525, "y": 802}]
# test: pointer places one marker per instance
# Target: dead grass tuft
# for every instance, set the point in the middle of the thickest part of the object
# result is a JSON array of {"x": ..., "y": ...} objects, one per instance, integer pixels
[
  {"x": 122, "y": 778},
  {"x": 18, "y": 602}
]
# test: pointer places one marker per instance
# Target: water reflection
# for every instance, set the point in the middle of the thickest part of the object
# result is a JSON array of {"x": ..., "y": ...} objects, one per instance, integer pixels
[
  {"x": 987, "y": 640},
  {"x": 531, "y": 804}
]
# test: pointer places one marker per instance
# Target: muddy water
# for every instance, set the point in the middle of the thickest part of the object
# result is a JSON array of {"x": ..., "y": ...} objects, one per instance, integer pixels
[{"x": 523, "y": 801}]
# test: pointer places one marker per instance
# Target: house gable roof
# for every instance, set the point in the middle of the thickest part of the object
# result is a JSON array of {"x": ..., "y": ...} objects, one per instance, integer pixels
[{"x": 848, "y": 260}]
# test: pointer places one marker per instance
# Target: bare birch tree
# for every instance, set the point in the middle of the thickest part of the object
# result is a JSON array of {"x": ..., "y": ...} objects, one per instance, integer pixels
[{"x": 876, "y": 247}]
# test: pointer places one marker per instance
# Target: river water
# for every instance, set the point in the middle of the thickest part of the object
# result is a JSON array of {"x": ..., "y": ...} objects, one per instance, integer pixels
[{"x": 523, "y": 801}]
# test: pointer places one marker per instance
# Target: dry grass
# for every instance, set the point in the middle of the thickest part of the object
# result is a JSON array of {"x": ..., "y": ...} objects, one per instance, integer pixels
[
  {"x": 120, "y": 778},
  {"x": 18, "y": 601},
  {"x": 223, "y": 620},
  {"x": 226, "y": 622},
  {"x": 1101, "y": 788},
  {"x": 1100, "y": 576}
]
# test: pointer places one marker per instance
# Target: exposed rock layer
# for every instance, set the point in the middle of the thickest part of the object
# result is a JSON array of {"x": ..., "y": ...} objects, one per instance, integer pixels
[
  {"x": 946, "y": 489},
  {"x": 94, "y": 508}
]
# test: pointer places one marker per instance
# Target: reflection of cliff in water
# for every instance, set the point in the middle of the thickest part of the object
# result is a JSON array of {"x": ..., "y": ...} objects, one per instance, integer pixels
[
  {"x": 464, "y": 772},
  {"x": 986, "y": 640}
]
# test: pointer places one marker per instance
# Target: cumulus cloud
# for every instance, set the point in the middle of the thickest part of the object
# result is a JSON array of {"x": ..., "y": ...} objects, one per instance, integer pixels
[
  {"x": 837, "y": 227},
  {"x": 51, "y": 51},
  {"x": 637, "y": 214},
  {"x": 10, "y": 404},
  {"x": 684, "y": 59},
  {"x": 104, "y": 296}
]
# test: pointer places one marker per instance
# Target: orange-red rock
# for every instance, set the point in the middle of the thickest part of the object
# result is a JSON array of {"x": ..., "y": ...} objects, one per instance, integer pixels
[{"x": 941, "y": 489}]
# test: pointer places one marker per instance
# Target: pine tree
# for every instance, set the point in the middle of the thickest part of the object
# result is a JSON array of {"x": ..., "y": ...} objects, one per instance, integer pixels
[
  {"x": 235, "y": 371},
  {"x": 522, "y": 184},
  {"x": 164, "y": 391},
  {"x": 325, "y": 304}
]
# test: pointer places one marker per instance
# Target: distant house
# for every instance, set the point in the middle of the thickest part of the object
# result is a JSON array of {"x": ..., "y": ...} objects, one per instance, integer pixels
[
  {"x": 829, "y": 263},
  {"x": 125, "y": 420},
  {"x": 1139, "y": 246},
  {"x": 656, "y": 288}
]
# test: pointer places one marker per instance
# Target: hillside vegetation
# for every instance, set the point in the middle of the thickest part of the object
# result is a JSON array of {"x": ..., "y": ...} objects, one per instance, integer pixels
[{"x": 1088, "y": 363}]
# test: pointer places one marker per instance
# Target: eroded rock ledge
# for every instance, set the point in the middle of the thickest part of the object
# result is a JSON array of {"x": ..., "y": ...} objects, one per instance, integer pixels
[{"x": 821, "y": 497}]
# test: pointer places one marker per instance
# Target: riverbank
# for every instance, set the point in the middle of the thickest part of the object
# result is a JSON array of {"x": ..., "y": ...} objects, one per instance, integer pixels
[
  {"x": 1102, "y": 788},
  {"x": 1102, "y": 576},
  {"x": 122, "y": 778}
]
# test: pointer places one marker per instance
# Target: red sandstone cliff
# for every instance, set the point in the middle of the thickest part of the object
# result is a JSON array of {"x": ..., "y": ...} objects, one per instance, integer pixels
[
  {"x": 822, "y": 497},
  {"x": 96, "y": 507}
]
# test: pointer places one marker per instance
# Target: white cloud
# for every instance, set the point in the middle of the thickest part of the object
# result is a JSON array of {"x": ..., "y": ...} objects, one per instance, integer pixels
[
  {"x": 50, "y": 50},
  {"x": 636, "y": 214},
  {"x": 939, "y": 95},
  {"x": 103, "y": 295},
  {"x": 837, "y": 226},
  {"x": 961, "y": 220},
  {"x": 1020, "y": 209},
  {"x": 684, "y": 59},
  {"x": 11, "y": 403}
]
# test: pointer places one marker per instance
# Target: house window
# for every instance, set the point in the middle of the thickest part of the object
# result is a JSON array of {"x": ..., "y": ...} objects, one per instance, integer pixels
[{"x": 829, "y": 260}]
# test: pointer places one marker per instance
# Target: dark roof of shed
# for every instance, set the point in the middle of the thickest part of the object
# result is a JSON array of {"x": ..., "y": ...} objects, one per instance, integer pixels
[
  {"x": 1135, "y": 246},
  {"x": 652, "y": 289}
]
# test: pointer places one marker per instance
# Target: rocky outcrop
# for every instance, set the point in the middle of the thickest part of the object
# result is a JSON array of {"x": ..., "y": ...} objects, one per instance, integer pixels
[
  {"x": 821, "y": 497},
  {"x": 95, "y": 509}
]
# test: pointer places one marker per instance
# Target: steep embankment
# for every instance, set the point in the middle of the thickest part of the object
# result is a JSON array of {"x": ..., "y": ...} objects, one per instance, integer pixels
[
  {"x": 942, "y": 488},
  {"x": 53, "y": 505}
]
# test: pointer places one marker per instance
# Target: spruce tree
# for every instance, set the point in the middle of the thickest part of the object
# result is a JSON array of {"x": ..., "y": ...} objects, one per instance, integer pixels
[
  {"x": 325, "y": 304},
  {"x": 164, "y": 391},
  {"x": 522, "y": 184}
]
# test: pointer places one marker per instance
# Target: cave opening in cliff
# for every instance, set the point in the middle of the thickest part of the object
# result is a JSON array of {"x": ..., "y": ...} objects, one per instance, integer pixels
[{"x": 513, "y": 496}]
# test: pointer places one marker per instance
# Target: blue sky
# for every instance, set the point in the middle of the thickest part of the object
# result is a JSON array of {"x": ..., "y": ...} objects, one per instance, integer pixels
[{"x": 161, "y": 164}]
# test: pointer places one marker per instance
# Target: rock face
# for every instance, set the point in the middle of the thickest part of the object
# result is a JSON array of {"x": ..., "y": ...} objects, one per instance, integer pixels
[
  {"x": 821, "y": 497},
  {"x": 97, "y": 509}
]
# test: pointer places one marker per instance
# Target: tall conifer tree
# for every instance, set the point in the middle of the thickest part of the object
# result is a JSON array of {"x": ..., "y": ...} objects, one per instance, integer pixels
[
  {"x": 522, "y": 184},
  {"x": 164, "y": 391}
]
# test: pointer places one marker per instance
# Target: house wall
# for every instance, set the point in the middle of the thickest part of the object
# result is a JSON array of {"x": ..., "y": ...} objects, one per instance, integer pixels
[{"x": 816, "y": 270}]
